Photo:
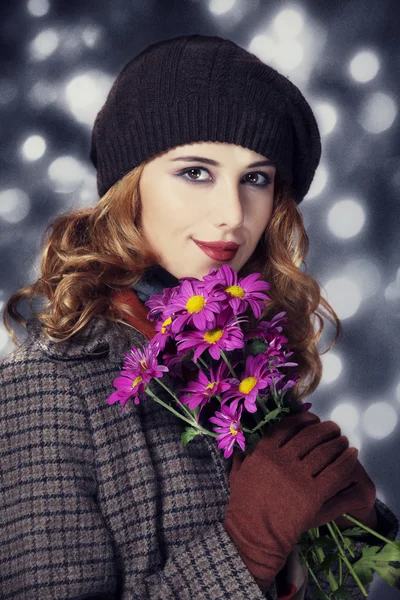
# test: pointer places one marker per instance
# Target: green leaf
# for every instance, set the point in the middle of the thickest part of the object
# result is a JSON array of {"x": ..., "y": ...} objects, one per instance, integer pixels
[
  {"x": 256, "y": 347},
  {"x": 384, "y": 560},
  {"x": 341, "y": 592},
  {"x": 328, "y": 561},
  {"x": 188, "y": 435},
  {"x": 251, "y": 442},
  {"x": 354, "y": 532}
]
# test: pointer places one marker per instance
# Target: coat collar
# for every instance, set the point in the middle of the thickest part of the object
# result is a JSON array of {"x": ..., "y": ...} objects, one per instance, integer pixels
[{"x": 101, "y": 337}]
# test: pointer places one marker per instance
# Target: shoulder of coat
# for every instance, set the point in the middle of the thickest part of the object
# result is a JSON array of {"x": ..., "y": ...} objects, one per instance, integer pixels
[{"x": 100, "y": 338}]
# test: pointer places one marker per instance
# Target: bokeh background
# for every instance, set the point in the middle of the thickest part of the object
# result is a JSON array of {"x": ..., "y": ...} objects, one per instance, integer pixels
[{"x": 57, "y": 63}]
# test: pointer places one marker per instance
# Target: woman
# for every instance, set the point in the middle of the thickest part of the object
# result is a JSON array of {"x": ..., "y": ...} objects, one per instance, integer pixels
[{"x": 100, "y": 504}]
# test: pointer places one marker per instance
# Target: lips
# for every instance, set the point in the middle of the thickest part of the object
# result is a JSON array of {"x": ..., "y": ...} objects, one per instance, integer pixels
[
  {"x": 216, "y": 253},
  {"x": 221, "y": 246}
]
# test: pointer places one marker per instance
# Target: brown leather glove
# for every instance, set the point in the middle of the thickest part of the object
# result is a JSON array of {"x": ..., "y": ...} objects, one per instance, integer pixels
[
  {"x": 287, "y": 486},
  {"x": 359, "y": 500}
]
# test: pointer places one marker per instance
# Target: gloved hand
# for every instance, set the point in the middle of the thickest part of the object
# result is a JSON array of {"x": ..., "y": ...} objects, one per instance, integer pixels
[
  {"x": 359, "y": 499},
  {"x": 291, "y": 482}
]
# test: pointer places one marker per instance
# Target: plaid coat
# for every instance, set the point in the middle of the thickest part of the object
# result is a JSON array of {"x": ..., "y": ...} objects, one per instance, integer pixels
[{"x": 99, "y": 504}]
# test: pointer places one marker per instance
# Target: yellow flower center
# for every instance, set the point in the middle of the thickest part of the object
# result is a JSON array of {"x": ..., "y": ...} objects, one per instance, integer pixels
[
  {"x": 247, "y": 385},
  {"x": 165, "y": 323},
  {"x": 136, "y": 381},
  {"x": 195, "y": 304},
  {"x": 213, "y": 335},
  {"x": 143, "y": 364},
  {"x": 235, "y": 290},
  {"x": 231, "y": 428},
  {"x": 212, "y": 385}
]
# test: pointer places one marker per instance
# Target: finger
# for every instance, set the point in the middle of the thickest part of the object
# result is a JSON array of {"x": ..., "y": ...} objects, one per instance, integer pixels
[
  {"x": 325, "y": 454},
  {"x": 336, "y": 475},
  {"x": 313, "y": 436},
  {"x": 278, "y": 435}
]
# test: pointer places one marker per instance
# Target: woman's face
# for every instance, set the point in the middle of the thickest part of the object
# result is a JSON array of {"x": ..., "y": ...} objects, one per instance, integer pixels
[{"x": 229, "y": 201}]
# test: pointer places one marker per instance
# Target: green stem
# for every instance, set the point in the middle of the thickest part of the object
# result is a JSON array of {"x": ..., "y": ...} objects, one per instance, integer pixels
[
  {"x": 203, "y": 362},
  {"x": 217, "y": 395},
  {"x": 191, "y": 422},
  {"x": 228, "y": 364},
  {"x": 375, "y": 533},
  {"x": 340, "y": 571},
  {"x": 321, "y": 555},
  {"x": 345, "y": 542},
  {"x": 187, "y": 411},
  {"x": 233, "y": 373},
  {"x": 313, "y": 575},
  {"x": 260, "y": 403},
  {"x": 346, "y": 560}
]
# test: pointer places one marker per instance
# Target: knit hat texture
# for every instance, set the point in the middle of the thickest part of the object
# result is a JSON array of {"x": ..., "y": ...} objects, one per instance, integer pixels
[{"x": 204, "y": 88}]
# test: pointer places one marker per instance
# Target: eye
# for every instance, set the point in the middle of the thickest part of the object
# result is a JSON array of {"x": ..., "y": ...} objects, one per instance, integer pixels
[{"x": 192, "y": 170}]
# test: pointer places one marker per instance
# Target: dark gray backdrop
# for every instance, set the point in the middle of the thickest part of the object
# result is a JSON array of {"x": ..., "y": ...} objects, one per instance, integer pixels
[{"x": 57, "y": 63}]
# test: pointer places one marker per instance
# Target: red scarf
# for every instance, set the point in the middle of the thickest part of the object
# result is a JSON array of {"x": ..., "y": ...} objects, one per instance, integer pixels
[{"x": 140, "y": 321}]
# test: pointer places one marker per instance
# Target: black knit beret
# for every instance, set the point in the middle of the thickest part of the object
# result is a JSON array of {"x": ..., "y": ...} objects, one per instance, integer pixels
[{"x": 204, "y": 88}]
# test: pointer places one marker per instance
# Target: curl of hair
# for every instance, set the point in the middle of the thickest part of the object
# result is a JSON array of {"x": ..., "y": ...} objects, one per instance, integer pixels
[{"x": 92, "y": 252}]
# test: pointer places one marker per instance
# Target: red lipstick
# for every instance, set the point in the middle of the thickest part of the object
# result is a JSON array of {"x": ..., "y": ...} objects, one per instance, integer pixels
[{"x": 221, "y": 251}]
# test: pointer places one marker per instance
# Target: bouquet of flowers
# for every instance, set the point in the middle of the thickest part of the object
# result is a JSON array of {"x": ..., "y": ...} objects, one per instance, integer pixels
[{"x": 207, "y": 321}]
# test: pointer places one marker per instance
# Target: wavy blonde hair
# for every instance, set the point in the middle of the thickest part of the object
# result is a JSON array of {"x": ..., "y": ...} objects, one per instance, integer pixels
[{"x": 92, "y": 252}]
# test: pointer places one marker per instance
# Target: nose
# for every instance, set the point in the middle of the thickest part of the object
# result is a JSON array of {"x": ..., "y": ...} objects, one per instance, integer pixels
[{"x": 228, "y": 206}]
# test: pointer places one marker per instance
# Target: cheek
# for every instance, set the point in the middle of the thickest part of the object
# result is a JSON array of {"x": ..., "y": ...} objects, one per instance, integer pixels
[{"x": 261, "y": 217}]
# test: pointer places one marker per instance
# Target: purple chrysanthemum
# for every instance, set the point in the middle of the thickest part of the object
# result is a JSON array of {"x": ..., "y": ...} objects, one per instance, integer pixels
[
  {"x": 139, "y": 368},
  {"x": 223, "y": 334},
  {"x": 193, "y": 305},
  {"x": 202, "y": 390},
  {"x": 228, "y": 421},
  {"x": 239, "y": 292},
  {"x": 257, "y": 376},
  {"x": 163, "y": 327},
  {"x": 158, "y": 302}
]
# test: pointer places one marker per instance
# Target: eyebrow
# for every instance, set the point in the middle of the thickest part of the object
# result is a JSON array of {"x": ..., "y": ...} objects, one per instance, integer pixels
[{"x": 209, "y": 161}]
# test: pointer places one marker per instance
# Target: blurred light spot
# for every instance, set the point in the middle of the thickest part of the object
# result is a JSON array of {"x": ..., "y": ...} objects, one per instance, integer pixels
[
  {"x": 288, "y": 54},
  {"x": 34, "y": 147},
  {"x": 263, "y": 47},
  {"x": 346, "y": 218},
  {"x": 288, "y": 23},
  {"x": 398, "y": 392},
  {"x": 344, "y": 295},
  {"x": 354, "y": 441},
  {"x": 42, "y": 93},
  {"x": 91, "y": 35},
  {"x": 8, "y": 91},
  {"x": 378, "y": 112},
  {"x": 3, "y": 337},
  {"x": 318, "y": 183},
  {"x": 326, "y": 116},
  {"x": 379, "y": 420},
  {"x": 219, "y": 7},
  {"x": 346, "y": 416},
  {"x": 364, "y": 66},
  {"x": 86, "y": 94},
  {"x": 366, "y": 274},
  {"x": 332, "y": 367},
  {"x": 89, "y": 193},
  {"x": 44, "y": 44},
  {"x": 392, "y": 292},
  {"x": 14, "y": 205},
  {"x": 66, "y": 173},
  {"x": 38, "y": 8}
]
